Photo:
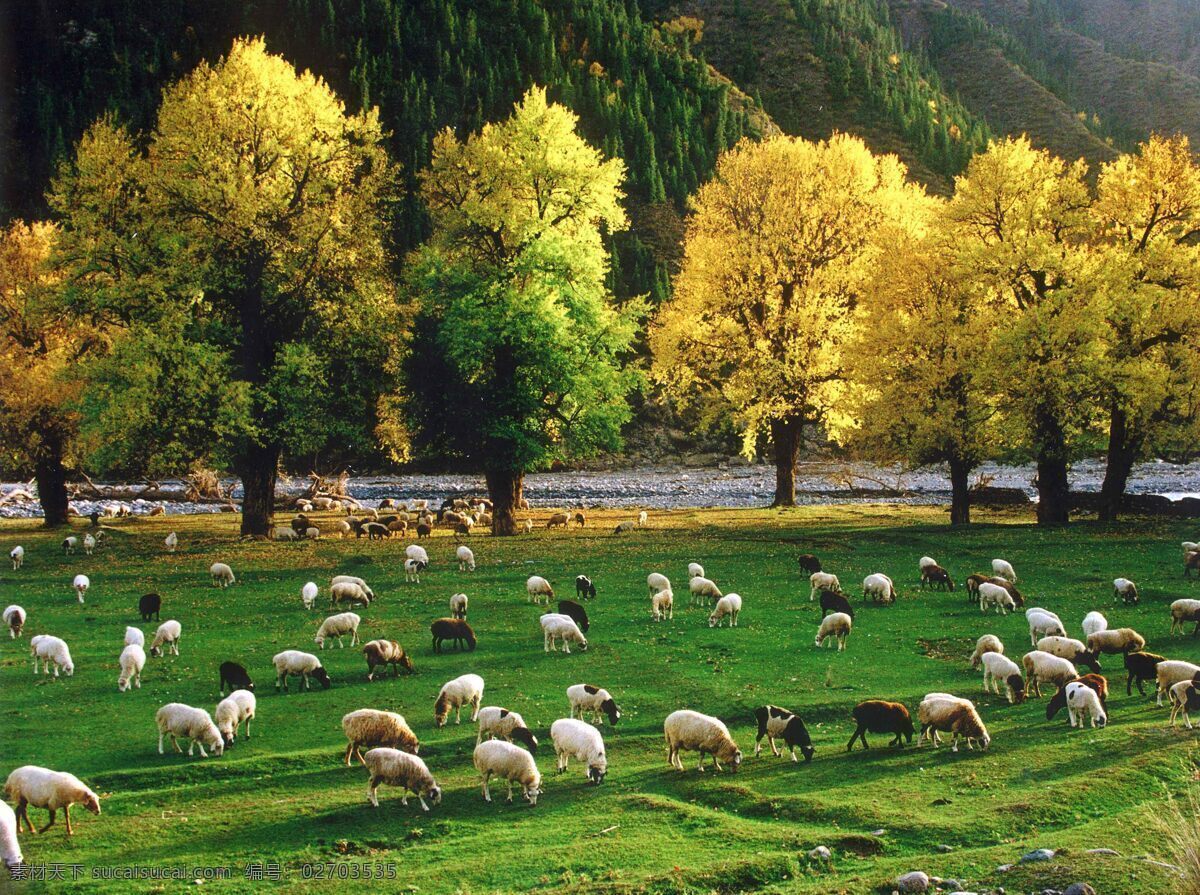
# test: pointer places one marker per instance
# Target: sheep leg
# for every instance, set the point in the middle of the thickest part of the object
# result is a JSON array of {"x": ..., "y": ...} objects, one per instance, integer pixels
[
  {"x": 509, "y": 782},
  {"x": 475, "y": 710},
  {"x": 67, "y": 818},
  {"x": 160, "y": 743},
  {"x": 424, "y": 807},
  {"x": 175, "y": 743},
  {"x": 546, "y": 640},
  {"x": 566, "y": 645},
  {"x": 372, "y": 786},
  {"x": 50, "y": 824},
  {"x": 700, "y": 767},
  {"x": 23, "y": 813},
  {"x": 458, "y": 714},
  {"x": 350, "y": 752}
]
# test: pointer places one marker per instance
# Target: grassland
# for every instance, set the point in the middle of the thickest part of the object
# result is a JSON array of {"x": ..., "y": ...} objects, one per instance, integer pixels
[{"x": 285, "y": 796}]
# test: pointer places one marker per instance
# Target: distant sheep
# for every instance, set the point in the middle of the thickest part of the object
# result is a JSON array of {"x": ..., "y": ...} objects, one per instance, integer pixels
[
  {"x": 730, "y": 607},
  {"x": 835, "y": 602},
  {"x": 1191, "y": 563},
  {"x": 458, "y": 606},
  {"x": 43, "y": 788},
  {"x": 132, "y": 661},
  {"x": 656, "y": 581},
  {"x": 774, "y": 722},
  {"x": 412, "y": 570},
  {"x": 51, "y": 651},
  {"x": 351, "y": 579},
  {"x": 384, "y": 653},
  {"x": 309, "y": 594},
  {"x": 823, "y": 581},
  {"x": 500, "y": 723},
  {"x": 641, "y": 519},
  {"x": 695, "y": 570},
  {"x": 466, "y": 558},
  {"x": 348, "y": 592},
  {"x": 1142, "y": 667},
  {"x": 496, "y": 758},
  {"x": 590, "y": 698},
  {"x": 1043, "y": 668},
  {"x": 150, "y": 605},
  {"x": 808, "y": 563},
  {"x": 166, "y": 638},
  {"x": 454, "y": 629},
  {"x": 581, "y": 741},
  {"x": 467, "y": 689},
  {"x": 837, "y": 626},
  {"x": 936, "y": 577},
  {"x": 1184, "y": 611},
  {"x": 879, "y": 587},
  {"x": 14, "y": 620},
  {"x": 178, "y": 720},
  {"x": 939, "y": 712},
  {"x": 662, "y": 605},
  {"x": 1125, "y": 590},
  {"x": 703, "y": 590},
  {"x": 695, "y": 732},
  {"x": 17, "y": 555},
  {"x": 584, "y": 588},
  {"x": 408, "y": 772},
  {"x": 1083, "y": 704},
  {"x": 1120, "y": 640},
  {"x": 1058, "y": 701},
  {"x": 232, "y": 712},
  {"x": 999, "y": 670},
  {"x": 235, "y": 677},
  {"x": 1004, "y": 570},
  {"x": 539, "y": 589},
  {"x": 294, "y": 662},
  {"x": 561, "y": 628},
  {"x": 1043, "y": 623},
  {"x": 623, "y": 527},
  {"x": 1093, "y": 623},
  {"x": 992, "y": 595},
  {"x": 576, "y": 612},
  {"x": 371, "y": 728},
  {"x": 338, "y": 626},
  {"x": 417, "y": 552},
  {"x": 89, "y": 544},
  {"x": 70, "y": 544},
  {"x": 559, "y": 519},
  {"x": 222, "y": 575},
  {"x": 580, "y": 518},
  {"x": 880, "y": 716},
  {"x": 988, "y": 643},
  {"x": 283, "y": 533},
  {"x": 81, "y": 585}
]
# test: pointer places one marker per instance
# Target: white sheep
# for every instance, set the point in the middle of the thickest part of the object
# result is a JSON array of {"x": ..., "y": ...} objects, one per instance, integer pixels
[
  {"x": 1125, "y": 590},
  {"x": 579, "y": 740},
  {"x": 1093, "y": 623},
  {"x": 879, "y": 587},
  {"x": 51, "y": 651},
  {"x": 417, "y": 552},
  {"x": 1169, "y": 673},
  {"x": 1178, "y": 697},
  {"x": 408, "y": 772},
  {"x": 10, "y": 848},
  {"x": 466, "y": 689},
  {"x": 703, "y": 590},
  {"x": 1083, "y": 703},
  {"x": 14, "y": 620},
  {"x": 499, "y": 723},
  {"x": 999, "y": 670},
  {"x": 134, "y": 635},
  {"x": 178, "y": 720},
  {"x": 590, "y": 698},
  {"x": 232, "y": 711},
  {"x": 1043, "y": 668},
  {"x": 458, "y": 606},
  {"x": 538, "y": 588},
  {"x": 132, "y": 661},
  {"x": 372, "y": 728},
  {"x": 412, "y": 570},
  {"x": 695, "y": 570},
  {"x": 309, "y": 594},
  {"x": 988, "y": 643},
  {"x": 1119, "y": 640},
  {"x": 496, "y": 758},
  {"x": 695, "y": 732},
  {"x": 994, "y": 595},
  {"x": 729, "y": 605},
  {"x": 926, "y": 562},
  {"x": 561, "y": 627},
  {"x": 953, "y": 715},
  {"x": 293, "y": 661},
  {"x": 823, "y": 581},
  {"x": 348, "y": 592},
  {"x": 338, "y": 626},
  {"x": 1184, "y": 611},
  {"x": 657, "y": 581},
  {"x": 171, "y": 542},
  {"x": 44, "y": 788},
  {"x": 81, "y": 585},
  {"x": 466, "y": 558},
  {"x": 662, "y": 605},
  {"x": 222, "y": 575},
  {"x": 89, "y": 544},
  {"x": 17, "y": 555},
  {"x": 641, "y": 519},
  {"x": 70, "y": 544},
  {"x": 836, "y": 625},
  {"x": 166, "y": 638},
  {"x": 1003, "y": 569},
  {"x": 1042, "y": 623}
]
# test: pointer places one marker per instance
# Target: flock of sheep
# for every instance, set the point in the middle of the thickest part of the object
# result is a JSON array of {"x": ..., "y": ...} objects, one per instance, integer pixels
[{"x": 385, "y": 744}]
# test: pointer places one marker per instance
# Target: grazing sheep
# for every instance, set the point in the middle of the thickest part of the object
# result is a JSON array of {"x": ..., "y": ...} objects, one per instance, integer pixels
[
  {"x": 926, "y": 562},
  {"x": 417, "y": 552},
  {"x": 835, "y": 602},
  {"x": 458, "y": 606},
  {"x": 1183, "y": 698},
  {"x": 558, "y": 519},
  {"x": 584, "y": 588},
  {"x": 703, "y": 590},
  {"x": 1125, "y": 590},
  {"x": 580, "y": 518},
  {"x": 178, "y": 720},
  {"x": 999, "y": 669},
  {"x": 656, "y": 581},
  {"x": 51, "y": 651},
  {"x": 1169, "y": 673},
  {"x": 312, "y": 533},
  {"x": 972, "y": 584},
  {"x": 539, "y": 589},
  {"x": 134, "y": 635},
  {"x": 398, "y": 526},
  {"x": 234, "y": 710},
  {"x": 1120, "y": 640},
  {"x": 1184, "y": 611},
  {"x": 1043, "y": 668},
  {"x": 1142, "y": 667},
  {"x": 89, "y": 544},
  {"x": 454, "y": 629},
  {"x": 662, "y": 605},
  {"x": 150, "y": 605},
  {"x": 17, "y": 555},
  {"x": 235, "y": 677},
  {"x": 988, "y": 643},
  {"x": 641, "y": 519},
  {"x": 809, "y": 563},
  {"x": 577, "y": 613},
  {"x": 362, "y": 585},
  {"x": 386, "y": 652},
  {"x": 467, "y": 689},
  {"x": 293, "y": 661},
  {"x": 500, "y": 723},
  {"x": 309, "y": 594},
  {"x": 1093, "y": 623},
  {"x": 424, "y": 529},
  {"x": 284, "y": 534},
  {"x": 939, "y": 712},
  {"x": 1070, "y": 649},
  {"x": 1043, "y": 623},
  {"x": 823, "y": 581},
  {"x": 371, "y": 728},
  {"x": 132, "y": 661},
  {"x": 412, "y": 570},
  {"x": 43, "y": 788},
  {"x": 338, "y": 626},
  {"x": 81, "y": 585},
  {"x": 1018, "y": 600},
  {"x": 1059, "y": 700},
  {"x": 880, "y": 716},
  {"x": 879, "y": 587},
  {"x": 994, "y": 595},
  {"x": 166, "y": 638},
  {"x": 729, "y": 606},
  {"x": 496, "y": 758},
  {"x": 776, "y": 722},
  {"x": 343, "y": 528},
  {"x": 579, "y": 740},
  {"x": 557, "y": 627},
  {"x": 70, "y": 544},
  {"x": 623, "y": 527},
  {"x": 222, "y": 575},
  {"x": 408, "y": 772},
  {"x": 527, "y": 526},
  {"x": 694, "y": 732},
  {"x": 936, "y": 576},
  {"x": 14, "y": 620},
  {"x": 348, "y": 592},
  {"x": 695, "y": 570},
  {"x": 1083, "y": 704},
  {"x": 1189, "y": 547},
  {"x": 838, "y": 626},
  {"x": 466, "y": 558},
  {"x": 10, "y": 848},
  {"x": 1191, "y": 563},
  {"x": 1004, "y": 570},
  {"x": 597, "y": 700}
]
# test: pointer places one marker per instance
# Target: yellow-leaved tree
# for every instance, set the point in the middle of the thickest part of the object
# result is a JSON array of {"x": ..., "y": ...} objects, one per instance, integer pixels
[{"x": 778, "y": 253}]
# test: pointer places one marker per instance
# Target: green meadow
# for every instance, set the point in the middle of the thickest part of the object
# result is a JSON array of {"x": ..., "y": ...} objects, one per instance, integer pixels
[{"x": 284, "y": 798}]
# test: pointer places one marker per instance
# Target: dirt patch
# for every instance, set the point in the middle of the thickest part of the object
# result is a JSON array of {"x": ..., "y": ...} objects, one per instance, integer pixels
[
  {"x": 948, "y": 649},
  {"x": 857, "y": 844}
]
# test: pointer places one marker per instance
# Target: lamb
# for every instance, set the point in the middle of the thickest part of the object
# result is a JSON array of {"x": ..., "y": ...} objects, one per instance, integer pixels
[
  {"x": 1122, "y": 640},
  {"x": 693, "y": 731},
  {"x": 561, "y": 627},
  {"x": 1125, "y": 590},
  {"x": 235, "y": 677},
  {"x": 466, "y": 558},
  {"x": 576, "y": 612},
  {"x": 150, "y": 605},
  {"x": 776, "y": 722},
  {"x": 70, "y": 544},
  {"x": 823, "y": 581},
  {"x": 1059, "y": 700},
  {"x": 412, "y": 570},
  {"x": 1183, "y": 611},
  {"x": 234, "y": 710},
  {"x": 396, "y": 768},
  {"x": 1043, "y": 623},
  {"x": 509, "y": 763},
  {"x": 372, "y": 728},
  {"x": 703, "y": 590},
  {"x": 880, "y": 716},
  {"x": 51, "y": 651},
  {"x": 89, "y": 544},
  {"x": 597, "y": 700},
  {"x": 1083, "y": 703},
  {"x": 958, "y": 717},
  {"x": 348, "y": 592},
  {"x": 808, "y": 563},
  {"x": 695, "y": 570},
  {"x": 452, "y": 629},
  {"x": 500, "y": 723},
  {"x": 338, "y": 626},
  {"x": 362, "y": 585},
  {"x": 936, "y": 576},
  {"x": 838, "y": 626},
  {"x": 1043, "y": 668},
  {"x": 1070, "y": 649},
  {"x": 44, "y": 788},
  {"x": 1142, "y": 667},
  {"x": 166, "y": 638},
  {"x": 81, "y": 585},
  {"x": 579, "y": 740},
  {"x": 557, "y": 519},
  {"x": 988, "y": 643},
  {"x": 656, "y": 581},
  {"x": 880, "y": 588},
  {"x": 386, "y": 652},
  {"x": 222, "y": 575},
  {"x": 10, "y": 848},
  {"x": 538, "y": 588},
  {"x": 1184, "y": 697},
  {"x": 994, "y": 595},
  {"x": 14, "y": 619},
  {"x": 1093, "y": 623},
  {"x": 835, "y": 602},
  {"x": 1004, "y": 570},
  {"x": 998, "y": 668},
  {"x": 17, "y": 555},
  {"x": 467, "y": 689},
  {"x": 178, "y": 720},
  {"x": 293, "y": 661},
  {"x": 132, "y": 661},
  {"x": 584, "y": 588},
  {"x": 458, "y": 606},
  {"x": 662, "y": 605},
  {"x": 729, "y": 606},
  {"x": 1169, "y": 673}
]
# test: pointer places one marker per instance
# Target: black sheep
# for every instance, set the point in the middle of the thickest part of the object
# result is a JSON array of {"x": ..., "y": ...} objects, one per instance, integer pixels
[
  {"x": 452, "y": 629},
  {"x": 584, "y": 587},
  {"x": 776, "y": 722},
  {"x": 936, "y": 576},
  {"x": 235, "y": 677},
  {"x": 809, "y": 563},
  {"x": 831, "y": 601},
  {"x": 878, "y": 716},
  {"x": 149, "y": 605},
  {"x": 1141, "y": 667},
  {"x": 577, "y": 613}
]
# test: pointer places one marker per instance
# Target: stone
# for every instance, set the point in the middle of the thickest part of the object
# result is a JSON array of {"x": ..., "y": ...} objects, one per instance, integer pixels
[
  {"x": 1038, "y": 854},
  {"x": 1079, "y": 889},
  {"x": 1103, "y": 851},
  {"x": 952, "y": 885},
  {"x": 912, "y": 882}
]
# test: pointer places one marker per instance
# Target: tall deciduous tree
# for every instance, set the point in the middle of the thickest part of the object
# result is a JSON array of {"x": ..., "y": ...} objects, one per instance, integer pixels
[
  {"x": 255, "y": 213},
  {"x": 519, "y": 358},
  {"x": 777, "y": 256}
]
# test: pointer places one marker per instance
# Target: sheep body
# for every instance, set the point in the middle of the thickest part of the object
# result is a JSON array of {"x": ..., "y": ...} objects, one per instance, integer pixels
[
  {"x": 879, "y": 587},
  {"x": 338, "y": 626},
  {"x": 1058, "y": 701},
  {"x": 1170, "y": 672},
  {"x": 776, "y": 722},
  {"x": 500, "y": 723},
  {"x": 1183, "y": 611},
  {"x": 1043, "y": 668},
  {"x": 348, "y": 592},
  {"x": 1119, "y": 640},
  {"x": 590, "y": 698},
  {"x": 17, "y": 555},
  {"x": 835, "y": 602},
  {"x": 134, "y": 635},
  {"x": 234, "y": 710},
  {"x": 1004, "y": 570},
  {"x": 222, "y": 575},
  {"x": 386, "y": 652},
  {"x": 417, "y": 552},
  {"x": 496, "y": 758},
  {"x": 696, "y": 732},
  {"x": 14, "y": 620},
  {"x": 657, "y": 581},
  {"x": 44, "y": 788},
  {"x": 466, "y": 558},
  {"x": 10, "y": 848},
  {"x": 166, "y": 638},
  {"x": 455, "y": 629},
  {"x": 539, "y": 589},
  {"x": 309, "y": 594},
  {"x": 820, "y": 581},
  {"x": 881, "y": 716},
  {"x": 1093, "y": 623},
  {"x": 662, "y": 605},
  {"x": 132, "y": 661},
  {"x": 150, "y": 605},
  {"x": 926, "y": 562},
  {"x": 235, "y": 677},
  {"x": 695, "y": 570},
  {"x": 81, "y": 583},
  {"x": 702, "y": 590},
  {"x": 408, "y": 772},
  {"x": 1083, "y": 703},
  {"x": 466, "y": 689},
  {"x": 178, "y": 720},
  {"x": 52, "y": 651},
  {"x": 579, "y": 740},
  {"x": 994, "y": 595},
  {"x": 988, "y": 643},
  {"x": 838, "y": 626},
  {"x": 1125, "y": 590},
  {"x": 557, "y": 627},
  {"x": 939, "y": 712},
  {"x": 1183, "y": 697},
  {"x": 561, "y": 519},
  {"x": 1070, "y": 649},
  {"x": 290, "y": 662},
  {"x": 575, "y": 612},
  {"x": 1142, "y": 667},
  {"x": 458, "y": 606},
  {"x": 729, "y": 606},
  {"x": 1043, "y": 623},
  {"x": 998, "y": 669},
  {"x": 372, "y": 728}
]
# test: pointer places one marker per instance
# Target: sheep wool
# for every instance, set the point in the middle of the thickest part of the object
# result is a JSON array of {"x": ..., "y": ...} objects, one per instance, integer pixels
[
  {"x": 166, "y": 638},
  {"x": 988, "y": 643},
  {"x": 399, "y": 769},
  {"x": 309, "y": 593},
  {"x": 561, "y": 628},
  {"x": 695, "y": 570},
  {"x": 1043, "y": 668},
  {"x": 291, "y": 662},
  {"x": 496, "y": 722},
  {"x": 338, "y": 626},
  {"x": 662, "y": 605},
  {"x": 703, "y": 590},
  {"x": 1084, "y": 704},
  {"x": 1171, "y": 672},
  {"x": 81, "y": 585},
  {"x": 837, "y": 625},
  {"x": 10, "y": 849},
  {"x": 44, "y": 788},
  {"x": 466, "y": 558},
  {"x": 370, "y": 728},
  {"x": 695, "y": 732},
  {"x": 178, "y": 720},
  {"x": 579, "y": 740},
  {"x": 539, "y": 589},
  {"x": 467, "y": 689},
  {"x": 51, "y": 651},
  {"x": 14, "y": 620},
  {"x": 823, "y": 581},
  {"x": 458, "y": 606},
  {"x": 941, "y": 712},
  {"x": 1120, "y": 640},
  {"x": 232, "y": 711},
  {"x": 1093, "y": 623},
  {"x": 496, "y": 758},
  {"x": 590, "y": 698},
  {"x": 729, "y": 606},
  {"x": 1004, "y": 570},
  {"x": 134, "y": 635},
  {"x": 656, "y": 581},
  {"x": 17, "y": 555},
  {"x": 132, "y": 661},
  {"x": 999, "y": 670},
  {"x": 222, "y": 575}
]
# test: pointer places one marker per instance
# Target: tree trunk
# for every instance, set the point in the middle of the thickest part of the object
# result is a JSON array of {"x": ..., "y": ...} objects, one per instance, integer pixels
[
  {"x": 505, "y": 488},
  {"x": 51, "y": 479},
  {"x": 1123, "y": 449},
  {"x": 1054, "y": 490},
  {"x": 960, "y": 494},
  {"x": 258, "y": 469},
  {"x": 786, "y": 435}
]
